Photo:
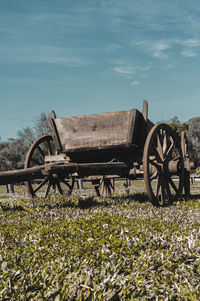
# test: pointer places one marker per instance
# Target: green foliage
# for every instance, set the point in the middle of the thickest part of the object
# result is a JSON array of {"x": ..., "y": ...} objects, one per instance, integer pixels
[
  {"x": 13, "y": 152},
  {"x": 193, "y": 136},
  {"x": 41, "y": 126},
  {"x": 177, "y": 126},
  {"x": 194, "y": 139},
  {"x": 86, "y": 248}
]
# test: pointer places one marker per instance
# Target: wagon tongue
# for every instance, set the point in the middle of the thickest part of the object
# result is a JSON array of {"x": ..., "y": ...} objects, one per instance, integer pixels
[
  {"x": 21, "y": 175},
  {"x": 82, "y": 169}
]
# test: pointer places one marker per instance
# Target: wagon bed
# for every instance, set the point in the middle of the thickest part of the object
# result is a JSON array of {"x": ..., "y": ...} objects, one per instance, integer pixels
[{"x": 100, "y": 137}]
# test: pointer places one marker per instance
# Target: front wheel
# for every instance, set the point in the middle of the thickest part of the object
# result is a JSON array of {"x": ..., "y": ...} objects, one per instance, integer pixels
[{"x": 36, "y": 156}]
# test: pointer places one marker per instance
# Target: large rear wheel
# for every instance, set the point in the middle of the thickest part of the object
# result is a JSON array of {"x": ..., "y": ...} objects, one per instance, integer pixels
[{"x": 163, "y": 165}]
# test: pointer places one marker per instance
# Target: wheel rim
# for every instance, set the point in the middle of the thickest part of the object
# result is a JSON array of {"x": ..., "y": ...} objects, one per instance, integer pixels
[
  {"x": 36, "y": 156},
  {"x": 163, "y": 165}
]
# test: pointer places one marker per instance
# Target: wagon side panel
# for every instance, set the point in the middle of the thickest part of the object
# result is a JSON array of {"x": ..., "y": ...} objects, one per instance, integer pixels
[
  {"x": 94, "y": 131},
  {"x": 101, "y": 137}
]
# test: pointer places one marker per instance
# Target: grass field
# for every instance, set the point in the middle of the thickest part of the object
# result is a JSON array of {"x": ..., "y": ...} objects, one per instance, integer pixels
[{"x": 86, "y": 248}]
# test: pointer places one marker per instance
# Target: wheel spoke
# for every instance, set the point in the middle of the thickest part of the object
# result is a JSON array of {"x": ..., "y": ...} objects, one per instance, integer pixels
[
  {"x": 40, "y": 185},
  {"x": 168, "y": 189},
  {"x": 164, "y": 144},
  {"x": 59, "y": 188},
  {"x": 108, "y": 187},
  {"x": 157, "y": 155},
  {"x": 154, "y": 163},
  {"x": 65, "y": 182},
  {"x": 176, "y": 158},
  {"x": 36, "y": 161},
  {"x": 48, "y": 188},
  {"x": 157, "y": 189},
  {"x": 170, "y": 150},
  {"x": 159, "y": 147},
  {"x": 96, "y": 187},
  {"x": 70, "y": 185},
  {"x": 163, "y": 190},
  {"x": 154, "y": 176},
  {"x": 111, "y": 184},
  {"x": 41, "y": 151},
  {"x": 173, "y": 185},
  {"x": 54, "y": 187}
]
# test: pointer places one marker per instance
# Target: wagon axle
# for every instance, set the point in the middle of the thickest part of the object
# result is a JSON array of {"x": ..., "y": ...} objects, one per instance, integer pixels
[{"x": 172, "y": 167}]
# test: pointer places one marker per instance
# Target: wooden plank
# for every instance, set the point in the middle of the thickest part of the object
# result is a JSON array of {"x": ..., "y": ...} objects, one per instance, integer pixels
[
  {"x": 55, "y": 135},
  {"x": 95, "y": 131}
]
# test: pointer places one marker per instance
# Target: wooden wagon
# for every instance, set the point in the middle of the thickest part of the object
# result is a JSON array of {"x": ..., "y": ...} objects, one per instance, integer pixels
[{"x": 102, "y": 147}]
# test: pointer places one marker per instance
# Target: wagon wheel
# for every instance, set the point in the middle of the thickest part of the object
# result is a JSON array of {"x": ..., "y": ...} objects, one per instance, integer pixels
[
  {"x": 104, "y": 187},
  {"x": 162, "y": 160},
  {"x": 184, "y": 147},
  {"x": 36, "y": 156}
]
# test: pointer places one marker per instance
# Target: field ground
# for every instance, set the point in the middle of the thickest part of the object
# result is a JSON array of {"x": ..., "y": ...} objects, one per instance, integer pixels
[{"x": 87, "y": 248}]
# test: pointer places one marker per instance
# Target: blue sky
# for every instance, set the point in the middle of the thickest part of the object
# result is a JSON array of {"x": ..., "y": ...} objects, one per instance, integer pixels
[{"x": 90, "y": 56}]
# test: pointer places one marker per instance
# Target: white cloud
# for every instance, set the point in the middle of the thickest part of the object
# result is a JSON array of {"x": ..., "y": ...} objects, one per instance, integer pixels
[
  {"x": 157, "y": 49},
  {"x": 191, "y": 43},
  {"x": 124, "y": 70},
  {"x": 189, "y": 53},
  {"x": 135, "y": 83},
  {"x": 42, "y": 54},
  {"x": 129, "y": 71},
  {"x": 164, "y": 49}
]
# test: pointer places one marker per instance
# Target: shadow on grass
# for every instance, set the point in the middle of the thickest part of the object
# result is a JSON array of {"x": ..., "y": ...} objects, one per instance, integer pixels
[
  {"x": 135, "y": 197},
  {"x": 89, "y": 202},
  {"x": 81, "y": 203},
  {"x": 194, "y": 197},
  {"x": 6, "y": 207}
]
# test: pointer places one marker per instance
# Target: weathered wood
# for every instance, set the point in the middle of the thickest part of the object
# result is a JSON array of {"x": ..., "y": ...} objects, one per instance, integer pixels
[
  {"x": 55, "y": 135},
  {"x": 98, "y": 131},
  {"x": 10, "y": 188},
  {"x": 87, "y": 169},
  {"x": 145, "y": 110},
  {"x": 53, "y": 114},
  {"x": 65, "y": 169},
  {"x": 94, "y": 131},
  {"x": 21, "y": 175}
]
